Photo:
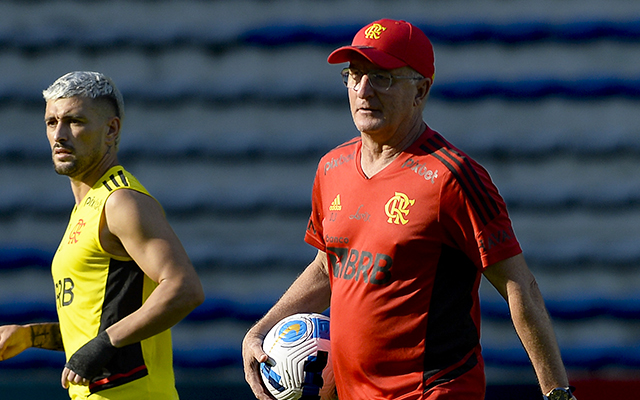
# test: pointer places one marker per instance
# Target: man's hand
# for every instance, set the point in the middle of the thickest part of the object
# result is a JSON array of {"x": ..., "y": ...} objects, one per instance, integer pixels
[
  {"x": 14, "y": 339},
  {"x": 88, "y": 361},
  {"x": 69, "y": 376},
  {"x": 253, "y": 355}
]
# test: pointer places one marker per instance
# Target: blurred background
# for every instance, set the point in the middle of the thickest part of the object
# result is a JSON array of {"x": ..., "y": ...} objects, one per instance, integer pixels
[{"x": 229, "y": 106}]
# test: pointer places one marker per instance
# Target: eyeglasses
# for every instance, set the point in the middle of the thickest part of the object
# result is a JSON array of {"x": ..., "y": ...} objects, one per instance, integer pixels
[{"x": 379, "y": 80}]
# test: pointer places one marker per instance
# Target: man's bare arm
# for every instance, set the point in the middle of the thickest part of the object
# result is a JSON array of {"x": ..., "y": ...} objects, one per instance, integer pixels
[
  {"x": 311, "y": 292},
  {"x": 46, "y": 336},
  {"x": 14, "y": 339},
  {"x": 514, "y": 281}
]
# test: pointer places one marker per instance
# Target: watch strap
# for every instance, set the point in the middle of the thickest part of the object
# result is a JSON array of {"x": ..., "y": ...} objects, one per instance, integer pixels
[{"x": 560, "y": 393}]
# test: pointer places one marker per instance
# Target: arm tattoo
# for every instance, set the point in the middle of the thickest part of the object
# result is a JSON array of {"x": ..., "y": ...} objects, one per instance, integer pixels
[{"x": 46, "y": 336}]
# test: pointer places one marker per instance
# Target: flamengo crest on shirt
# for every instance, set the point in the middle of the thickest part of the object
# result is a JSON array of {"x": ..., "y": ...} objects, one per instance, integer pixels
[
  {"x": 335, "y": 204},
  {"x": 397, "y": 208},
  {"x": 75, "y": 233}
]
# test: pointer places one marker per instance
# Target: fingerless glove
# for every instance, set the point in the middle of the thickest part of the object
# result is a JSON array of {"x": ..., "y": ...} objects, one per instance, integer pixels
[{"x": 90, "y": 358}]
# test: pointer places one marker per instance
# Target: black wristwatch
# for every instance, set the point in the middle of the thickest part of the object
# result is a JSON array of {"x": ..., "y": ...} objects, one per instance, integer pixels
[{"x": 559, "y": 394}]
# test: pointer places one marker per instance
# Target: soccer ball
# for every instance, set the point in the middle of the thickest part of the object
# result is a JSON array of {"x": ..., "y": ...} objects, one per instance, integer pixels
[{"x": 299, "y": 365}]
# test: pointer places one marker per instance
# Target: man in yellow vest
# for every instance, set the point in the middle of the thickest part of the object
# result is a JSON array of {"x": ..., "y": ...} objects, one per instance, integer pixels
[{"x": 122, "y": 278}]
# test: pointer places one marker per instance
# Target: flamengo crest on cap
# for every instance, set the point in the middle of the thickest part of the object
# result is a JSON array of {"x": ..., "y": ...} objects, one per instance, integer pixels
[{"x": 374, "y": 31}]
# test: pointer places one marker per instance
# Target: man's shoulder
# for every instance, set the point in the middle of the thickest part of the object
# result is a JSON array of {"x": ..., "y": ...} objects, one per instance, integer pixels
[
  {"x": 435, "y": 145},
  {"x": 117, "y": 177},
  {"x": 340, "y": 155},
  {"x": 349, "y": 146}
]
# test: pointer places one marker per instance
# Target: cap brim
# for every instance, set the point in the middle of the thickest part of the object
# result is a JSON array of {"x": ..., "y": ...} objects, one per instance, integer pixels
[{"x": 378, "y": 57}]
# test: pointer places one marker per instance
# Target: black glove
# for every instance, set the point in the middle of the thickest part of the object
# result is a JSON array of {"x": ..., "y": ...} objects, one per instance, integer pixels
[{"x": 90, "y": 358}]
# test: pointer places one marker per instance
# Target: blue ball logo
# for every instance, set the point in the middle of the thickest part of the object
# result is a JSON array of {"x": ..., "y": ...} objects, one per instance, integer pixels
[{"x": 292, "y": 331}]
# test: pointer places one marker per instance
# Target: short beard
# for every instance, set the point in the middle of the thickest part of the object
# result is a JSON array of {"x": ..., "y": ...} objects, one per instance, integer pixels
[
  {"x": 77, "y": 166},
  {"x": 67, "y": 169}
]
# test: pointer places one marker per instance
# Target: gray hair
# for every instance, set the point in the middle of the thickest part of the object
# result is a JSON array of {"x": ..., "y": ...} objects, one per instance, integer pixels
[{"x": 86, "y": 84}]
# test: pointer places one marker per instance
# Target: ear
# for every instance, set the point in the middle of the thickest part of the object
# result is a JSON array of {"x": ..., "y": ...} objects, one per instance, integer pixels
[
  {"x": 113, "y": 130},
  {"x": 422, "y": 91}
]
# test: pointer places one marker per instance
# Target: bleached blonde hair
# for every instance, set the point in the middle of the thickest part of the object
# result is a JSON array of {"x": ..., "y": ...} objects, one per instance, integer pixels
[{"x": 86, "y": 84}]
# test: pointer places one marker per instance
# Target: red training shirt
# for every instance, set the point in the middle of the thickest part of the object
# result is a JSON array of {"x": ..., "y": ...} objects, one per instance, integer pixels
[{"x": 406, "y": 250}]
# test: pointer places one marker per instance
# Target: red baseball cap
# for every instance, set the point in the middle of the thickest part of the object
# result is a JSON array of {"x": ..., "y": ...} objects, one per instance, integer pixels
[{"x": 391, "y": 44}]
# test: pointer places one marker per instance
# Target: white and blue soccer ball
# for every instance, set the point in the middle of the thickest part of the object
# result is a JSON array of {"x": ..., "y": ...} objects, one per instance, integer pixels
[{"x": 299, "y": 365}]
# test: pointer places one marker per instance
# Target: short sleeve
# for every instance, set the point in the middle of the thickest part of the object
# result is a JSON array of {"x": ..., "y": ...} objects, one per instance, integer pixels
[{"x": 474, "y": 216}]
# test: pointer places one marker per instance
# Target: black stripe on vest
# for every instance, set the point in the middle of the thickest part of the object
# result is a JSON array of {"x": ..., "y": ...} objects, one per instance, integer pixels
[{"x": 114, "y": 181}]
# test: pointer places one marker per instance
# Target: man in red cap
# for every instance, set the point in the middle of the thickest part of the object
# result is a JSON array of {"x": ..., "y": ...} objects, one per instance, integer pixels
[{"x": 405, "y": 225}]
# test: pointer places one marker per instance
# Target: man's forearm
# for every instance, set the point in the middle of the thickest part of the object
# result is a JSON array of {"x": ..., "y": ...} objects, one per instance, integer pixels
[
  {"x": 534, "y": 327},
  {"x": 515, "y": 282},
  {"x": 46, "y": 336}
]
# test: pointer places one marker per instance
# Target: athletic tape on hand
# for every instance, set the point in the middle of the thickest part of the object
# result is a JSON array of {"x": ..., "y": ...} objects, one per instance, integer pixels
[{"x": 90, "y": 358}]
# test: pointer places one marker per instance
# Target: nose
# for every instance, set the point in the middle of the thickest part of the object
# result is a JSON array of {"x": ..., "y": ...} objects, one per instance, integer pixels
[
  {"x": 364, "y": 88},
  {"x": 58, "y": 132}
]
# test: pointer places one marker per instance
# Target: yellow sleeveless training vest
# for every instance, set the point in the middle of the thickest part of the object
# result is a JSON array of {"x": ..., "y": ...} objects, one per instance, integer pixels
[{"x": 95, "y": 289}]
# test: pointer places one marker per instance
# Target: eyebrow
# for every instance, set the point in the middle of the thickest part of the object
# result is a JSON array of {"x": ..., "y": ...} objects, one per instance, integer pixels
[{"x": 65, "y": 116}]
